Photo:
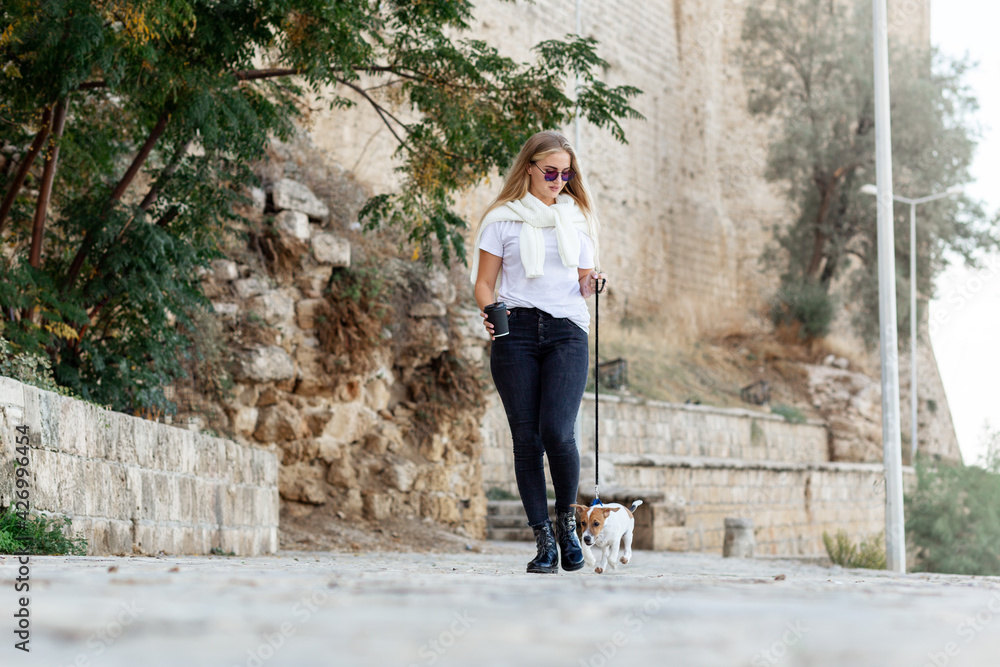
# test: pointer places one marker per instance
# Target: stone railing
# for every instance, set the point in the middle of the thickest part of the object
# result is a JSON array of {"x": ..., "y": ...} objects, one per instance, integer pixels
[{"x": 134, "y": 486}]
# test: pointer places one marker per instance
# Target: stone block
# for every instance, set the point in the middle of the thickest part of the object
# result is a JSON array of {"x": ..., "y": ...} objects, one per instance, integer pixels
[
  {"x": 313, "y": 281},
  {"x": 144, "y": 434},
  {"x": 287, "y": 194},
  {"x": 377, "y": 506},
  {"x": 267, "y": 363},
  {"x": 12, "y": 397},
  {"x": 258, "y": 198},
  {"x": 274, "y": 307},
  {"x": 225, "y": 270},
  {"x": 401, "y": 475},
  {"x": 226, "y": 310},
  {"x": 293, "y": 223},
  {"x": 432, "y": 308},
  {"x": 280, "y": 423},
  {"x": 151, "y": 497},
  {"x": 248, "y": 287},
  {"x": 133, "y": 491},
  {"x": 244, "y": 420},
  {"x": 45, "y": 491},
  {"x": 119, "y": 538},
  {"x": 331, "y": 249},
  {"x": 307, "y": 310},
  {"x": 739, "y": 538}
]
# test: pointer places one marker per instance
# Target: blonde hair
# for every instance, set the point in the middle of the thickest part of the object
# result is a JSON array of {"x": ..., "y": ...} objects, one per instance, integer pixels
[{"x": 516, "y": 183}]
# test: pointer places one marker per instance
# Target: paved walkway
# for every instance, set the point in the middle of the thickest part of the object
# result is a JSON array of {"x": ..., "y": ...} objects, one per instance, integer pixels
[{"x": 471, "y": 609}]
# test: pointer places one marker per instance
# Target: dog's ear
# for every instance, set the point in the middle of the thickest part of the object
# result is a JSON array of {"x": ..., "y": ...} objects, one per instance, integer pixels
[
  {"x": 614, "y": 509},
  {"x": 581, "y": 509},
  {"x": 607, "y": 511}
]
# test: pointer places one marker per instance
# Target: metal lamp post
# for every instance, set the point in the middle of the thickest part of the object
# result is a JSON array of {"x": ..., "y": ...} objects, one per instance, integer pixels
[
  {"x": 952, "y": 191},
  {"x": 895, "y": 538}
]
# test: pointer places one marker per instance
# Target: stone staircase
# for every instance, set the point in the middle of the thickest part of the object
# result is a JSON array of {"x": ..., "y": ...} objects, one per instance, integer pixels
[
  {"x": 506, "y": 521},
  {"x": 659, "y": 522}
]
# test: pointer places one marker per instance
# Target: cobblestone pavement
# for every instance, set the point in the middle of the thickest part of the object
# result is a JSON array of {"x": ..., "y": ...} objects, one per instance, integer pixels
[{"x": 388, "y": 609}]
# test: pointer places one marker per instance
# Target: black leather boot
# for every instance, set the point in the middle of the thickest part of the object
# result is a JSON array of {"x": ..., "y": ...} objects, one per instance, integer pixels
[
  {"x": 570, "y": 554},
  {"x": 545, "y": 562}
]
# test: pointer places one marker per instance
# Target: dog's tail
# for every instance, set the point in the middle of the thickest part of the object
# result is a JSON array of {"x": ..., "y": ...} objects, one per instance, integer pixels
[{"x": 635, "y": 504}]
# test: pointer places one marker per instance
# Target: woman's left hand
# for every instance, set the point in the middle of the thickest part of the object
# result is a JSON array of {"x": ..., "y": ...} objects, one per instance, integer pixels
[{"x": 592, "y": 283}]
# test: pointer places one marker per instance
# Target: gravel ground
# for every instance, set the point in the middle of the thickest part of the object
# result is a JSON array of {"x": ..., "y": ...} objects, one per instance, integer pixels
[{"x": 479, "y": 608}]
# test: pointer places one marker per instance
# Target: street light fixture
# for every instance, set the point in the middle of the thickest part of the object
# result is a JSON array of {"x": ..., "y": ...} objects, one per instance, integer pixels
[{"x": 870, "y": 189}]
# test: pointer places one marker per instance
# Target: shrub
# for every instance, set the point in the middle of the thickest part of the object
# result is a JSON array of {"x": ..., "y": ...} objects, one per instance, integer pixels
[
  {"x": 807, "y": 304},
  {"x": 953, "y": 517},
  {"x": 28, "y": 368},
  {"x": 869, "y": 554},
  {"x": 38, "y": 534},
  {"x": 791, "y": 414}
]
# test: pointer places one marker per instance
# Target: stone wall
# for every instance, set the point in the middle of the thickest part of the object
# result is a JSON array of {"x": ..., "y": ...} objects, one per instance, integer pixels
[
  {"x": 695, "y": 465},
  {"x": 631, "y": 426},
  {"x": 132, "y": 486},
  {"x": 686, "y": 199},
  {"x": 355, "y": 404},
  {"x": 791, "y": 504},
  {"x": 685, "y": 208}
]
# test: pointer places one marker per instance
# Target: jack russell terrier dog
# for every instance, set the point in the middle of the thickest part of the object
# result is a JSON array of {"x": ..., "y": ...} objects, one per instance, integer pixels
[{"x": 605, "y": 527}]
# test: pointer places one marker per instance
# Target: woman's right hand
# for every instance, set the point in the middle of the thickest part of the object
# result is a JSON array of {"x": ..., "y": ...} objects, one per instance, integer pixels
[{"x": 488, "y": 324}]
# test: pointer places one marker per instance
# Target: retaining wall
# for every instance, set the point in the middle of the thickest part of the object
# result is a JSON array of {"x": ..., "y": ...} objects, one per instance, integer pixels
[
  {"x": 697, "y": 465},
  {"x": 135, "y": 486}
]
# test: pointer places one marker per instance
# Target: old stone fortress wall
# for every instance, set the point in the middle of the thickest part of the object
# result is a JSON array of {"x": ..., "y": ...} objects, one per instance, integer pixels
[{"x": 686, "y": 213}]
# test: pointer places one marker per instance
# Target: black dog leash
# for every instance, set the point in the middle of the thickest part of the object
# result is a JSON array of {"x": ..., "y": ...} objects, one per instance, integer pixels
[{"x": 597, "y": 389}]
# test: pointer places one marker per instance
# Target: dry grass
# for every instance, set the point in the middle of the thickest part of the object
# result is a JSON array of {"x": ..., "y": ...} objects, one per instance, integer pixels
[{"x": 665, "y": 364}]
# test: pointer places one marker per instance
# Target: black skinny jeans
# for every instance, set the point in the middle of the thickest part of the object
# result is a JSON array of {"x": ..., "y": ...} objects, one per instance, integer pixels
[{"x": 540, "y": 371}]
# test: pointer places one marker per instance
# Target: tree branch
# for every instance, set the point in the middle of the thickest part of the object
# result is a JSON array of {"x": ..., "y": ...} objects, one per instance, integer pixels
[
  {"x": 119, "y": 191},
  {"x": 165, "y": 175},
  {"x": 48, "y": 176},
  {"x": 383, "y": 114},
  {"x": 26, "y": 162}
]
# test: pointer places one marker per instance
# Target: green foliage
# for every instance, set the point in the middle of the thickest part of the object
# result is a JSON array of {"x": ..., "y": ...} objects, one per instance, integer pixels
[
  {"x": 25, "y": 367},
  {"x": 869, "y": 554},
  {"x": 496, "y": 493},
  {"x": 791, "y": 414},
  {"x": 808, "y": 304},
  {"x": 808, "y": 64},
  {"x": 38, "y": 534},
  {"x": 166, "y": 105},
  {"x": 953, "y": 516}
]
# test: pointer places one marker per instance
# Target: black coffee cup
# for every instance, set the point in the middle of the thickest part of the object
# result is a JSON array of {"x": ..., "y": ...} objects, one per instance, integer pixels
[{"x": 496, "y": 314}]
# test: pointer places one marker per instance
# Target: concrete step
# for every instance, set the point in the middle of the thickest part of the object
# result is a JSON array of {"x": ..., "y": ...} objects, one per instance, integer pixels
[
  {"x": 504, "y": 507},
  {"x": 511, "y": 534},
  {"x": 506, "y": 521},
  {"x": 498, "y": 521}
]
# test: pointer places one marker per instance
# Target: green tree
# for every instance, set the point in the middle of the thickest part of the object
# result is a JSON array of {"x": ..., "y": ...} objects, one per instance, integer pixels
[
  {"x": 953, "y": 515},
  {"x": 808, "y": 64},
  {"x": 127, "y": 128}
]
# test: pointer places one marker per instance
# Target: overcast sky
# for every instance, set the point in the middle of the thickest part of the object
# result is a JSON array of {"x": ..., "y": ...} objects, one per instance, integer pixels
[{"x": 965, "y": 318}]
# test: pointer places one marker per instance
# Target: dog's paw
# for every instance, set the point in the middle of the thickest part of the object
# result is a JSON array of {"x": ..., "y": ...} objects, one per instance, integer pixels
[
  {"x": 598, "y": 570},
  {"x": 624, "y": 560}
]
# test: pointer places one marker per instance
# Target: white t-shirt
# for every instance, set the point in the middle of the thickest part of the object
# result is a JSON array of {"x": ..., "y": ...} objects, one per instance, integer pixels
[{"x": 557, "y": 292}]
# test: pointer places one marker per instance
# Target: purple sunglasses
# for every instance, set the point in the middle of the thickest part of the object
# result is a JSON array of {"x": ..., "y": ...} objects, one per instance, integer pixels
[{"x": 552, "y": 174}]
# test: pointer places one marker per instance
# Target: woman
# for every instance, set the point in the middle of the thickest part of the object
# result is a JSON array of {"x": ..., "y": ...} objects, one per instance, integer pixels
[{"x": 541, "y": 234}]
